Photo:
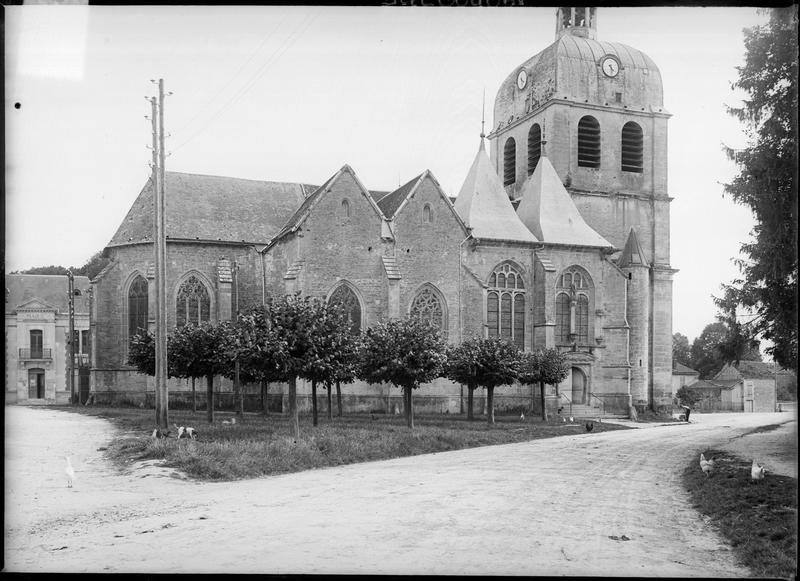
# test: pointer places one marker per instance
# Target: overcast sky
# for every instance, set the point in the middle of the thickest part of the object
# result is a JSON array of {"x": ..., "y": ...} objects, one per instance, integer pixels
[{"x": 294, "y": 93}]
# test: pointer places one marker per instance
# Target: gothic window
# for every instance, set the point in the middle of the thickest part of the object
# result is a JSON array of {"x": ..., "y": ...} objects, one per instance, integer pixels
[
  {"x": 505, "y": 305},
  {"x": 137, "y": 307},
  {"x": 427, "y": 214},
  {"x": 534, "y": 147},
  {"x": 632, "y": 148},
  {"x": 428, "y": 305},
  {"x": 573, "y": 297},
  {"x": 345, "y": 208},
  {"x": 509, "y": 161},
  {"x": 345, "y": 296},
  {"x": 193, "y": 305},
  {"x": 588, "y": 142}
]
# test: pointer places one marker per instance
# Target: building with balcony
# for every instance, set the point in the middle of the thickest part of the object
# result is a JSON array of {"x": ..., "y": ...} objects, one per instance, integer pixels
[{"x": 37, "y": 337}]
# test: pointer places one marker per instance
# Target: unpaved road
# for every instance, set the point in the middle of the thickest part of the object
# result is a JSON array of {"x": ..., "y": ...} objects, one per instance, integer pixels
[{"x": 547, "y": 507}]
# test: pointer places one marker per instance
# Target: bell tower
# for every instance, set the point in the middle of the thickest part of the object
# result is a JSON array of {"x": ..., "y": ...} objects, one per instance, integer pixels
[{"x": 577, "y": 21}]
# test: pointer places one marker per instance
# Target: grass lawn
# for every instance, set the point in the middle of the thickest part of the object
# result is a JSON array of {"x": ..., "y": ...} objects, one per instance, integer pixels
[
  {"x": 258, "y": 446},
  {"x": 758, "y": 519}
]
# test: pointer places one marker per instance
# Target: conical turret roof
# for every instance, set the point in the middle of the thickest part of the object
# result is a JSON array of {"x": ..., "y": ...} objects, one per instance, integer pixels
[
  {"x": 548, "y": 211},
  {"x": 484, "y": 206},
  {"x": 632, "y": 254}
]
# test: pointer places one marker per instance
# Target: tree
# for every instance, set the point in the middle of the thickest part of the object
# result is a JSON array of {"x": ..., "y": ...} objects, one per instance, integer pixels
[
  {"x": 543, "y": 367},
  {"x": 681, "y": 350},
  {"x": 479, "y": 362},
  {"x": 200, "y": 354},
  {"x": 687, "y": 397},
  {"x": 405, "y": 353},
  {"x": 708, "y": 350},
  {"x": 91, "y": 269},
  {"x": 142, "y": 353},
  {"x": 767, "y": 184}
]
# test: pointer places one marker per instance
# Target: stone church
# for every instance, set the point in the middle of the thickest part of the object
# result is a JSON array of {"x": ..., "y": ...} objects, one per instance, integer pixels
[{"x": 558, "y": 237}]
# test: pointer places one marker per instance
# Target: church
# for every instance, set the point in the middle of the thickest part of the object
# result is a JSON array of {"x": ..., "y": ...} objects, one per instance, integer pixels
[{"x": 558, "y": 238}]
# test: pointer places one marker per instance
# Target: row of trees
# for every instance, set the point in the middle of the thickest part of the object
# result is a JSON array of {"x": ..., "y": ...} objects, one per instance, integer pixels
[
  {"x": 712, "y": 349},
  {"x": 293, "y": 337}
]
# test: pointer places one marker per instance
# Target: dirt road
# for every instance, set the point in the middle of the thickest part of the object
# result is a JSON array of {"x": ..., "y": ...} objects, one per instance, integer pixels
[{"x": 548, "y": 507}]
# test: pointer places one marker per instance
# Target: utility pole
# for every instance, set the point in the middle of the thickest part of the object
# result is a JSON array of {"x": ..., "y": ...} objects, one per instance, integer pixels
[
  {"x": 160, "y": 256},
  {"x": 71, "y": 365},
  {"x": 236, "y": 379}
]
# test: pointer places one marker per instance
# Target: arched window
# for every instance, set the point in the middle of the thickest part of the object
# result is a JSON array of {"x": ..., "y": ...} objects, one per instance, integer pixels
[
  {"x": 588, "y": 142},
  {"x": 345, "y": 296},
  {"x": 428, "y": 305},
  {"x": 509, "y": 161},
  {"x": 505, "y": 305},
  {"x": 345, "y": 208},
  {"x": 534, "y": 147},
  {"x": 632, "y": 148},
  {"x": 137, "y": 307},
  {"x": 193, "y": 305},
  {"x": 427, "y": 214},
  {"x": 573, "y": 298}
]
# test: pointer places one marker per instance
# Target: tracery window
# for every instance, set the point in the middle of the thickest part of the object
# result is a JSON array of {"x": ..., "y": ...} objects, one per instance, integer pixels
[
  {"x": 509, "y": 161},
  {"x": 534, "y": 147},
  {"x": 573, "y": 297},
  {"x": 427, "y": 305},
  {"x": 505, "y": 305},
  {"x": 137, "y": 307},
  {"x": 193, "y": 305},
  {"x": 345, "y": 296}
]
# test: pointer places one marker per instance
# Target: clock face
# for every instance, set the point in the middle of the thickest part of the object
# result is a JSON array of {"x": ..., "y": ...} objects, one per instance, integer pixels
[
  {"x": 610, "y": 66},
  {"x": 522, "y": 79}
]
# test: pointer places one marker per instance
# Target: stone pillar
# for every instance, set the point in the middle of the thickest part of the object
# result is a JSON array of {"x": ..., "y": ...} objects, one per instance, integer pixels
[
  {"x": 224, "y": 290},
  {"x": 638, "y": 315},
  {"x": 661, "y": 339}
]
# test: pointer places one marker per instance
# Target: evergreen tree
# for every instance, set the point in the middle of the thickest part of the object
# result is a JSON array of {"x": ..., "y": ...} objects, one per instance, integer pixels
[{"x": 767, "y": 184}]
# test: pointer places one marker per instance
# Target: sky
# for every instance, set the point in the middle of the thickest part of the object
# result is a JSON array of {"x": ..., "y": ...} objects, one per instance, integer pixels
[{"x": 294, "y": 93}]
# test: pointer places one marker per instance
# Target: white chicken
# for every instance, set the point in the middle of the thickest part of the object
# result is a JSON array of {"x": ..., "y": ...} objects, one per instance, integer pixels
[
  {"x": 522, "y": 416},
  {"x": 69, "y": 471},
  {"x": 757, "y": 472},
  {"x": 706, "y": 465}
]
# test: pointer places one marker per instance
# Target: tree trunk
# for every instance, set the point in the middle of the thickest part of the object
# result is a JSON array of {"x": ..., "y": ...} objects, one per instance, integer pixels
[
  {"x": 409, "y": 407},
  {"x": 240, "y": 411},
  {"x": 339, "y": 397},
  {"x": 194, "y": 397},
  {"x": 470, "y": 401},
  {"x": 490, "y": 405},
  {"x": 541, "y": 397},
  {"x": 329, "y": 387},
  {"x": 210, "y": 398},
  {"x": 263, "y": 400},
  {"x": 314, "y": 402},
  {"x": 294, "y": 418},
  {"x": 533, "y": 399}
]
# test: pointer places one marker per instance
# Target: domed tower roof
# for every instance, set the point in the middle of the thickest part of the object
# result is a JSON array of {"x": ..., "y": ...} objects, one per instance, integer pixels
[{"x": 572, "y": 69}]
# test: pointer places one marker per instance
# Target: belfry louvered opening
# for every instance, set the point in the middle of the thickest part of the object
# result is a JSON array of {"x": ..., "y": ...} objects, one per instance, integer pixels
[
  {"x": 588, "y": 142},
  {"x": 534, "y": 147},
  {"x": 632, "y": 148},
  {"x": 509, "y": 161}
]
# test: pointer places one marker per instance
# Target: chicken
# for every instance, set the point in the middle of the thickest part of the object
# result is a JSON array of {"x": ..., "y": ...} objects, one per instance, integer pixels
[
  {"x": 69, "y": 471},
  {"x": 757, "y": 472},
  {"x": 706, "y": 465},
  {"x": 571, "y": 419},
  {"x": 157, "y": 434},
  {"x": 522, "y": 416},
  {"x": 231, "y": 422},
  {"x": 589, "y": 426}
]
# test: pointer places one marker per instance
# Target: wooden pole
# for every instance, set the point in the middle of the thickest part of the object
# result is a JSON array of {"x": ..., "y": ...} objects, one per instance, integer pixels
[
  {"x": 162, "y": 401},
  {"x": 71, "y": 366}
]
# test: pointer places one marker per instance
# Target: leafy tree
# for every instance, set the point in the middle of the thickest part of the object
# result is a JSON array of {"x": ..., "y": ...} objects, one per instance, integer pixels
[
  {"x": 200, "y": 353},
  {"x": 405, "y": 353},
  {"x": 543, "y": 367},
  {"x": 687, "y": 397},
  {"x": 767, "y": 184},
  {"x": 91, "y": 269},
  {"x": 708, "y": 350},
  {"x": 681, "y": 350},
  {"x": 479, "y": 362},
  {"x": 142, "y": 353}
]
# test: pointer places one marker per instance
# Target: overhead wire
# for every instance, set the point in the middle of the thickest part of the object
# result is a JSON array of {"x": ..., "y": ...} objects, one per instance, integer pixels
[{"x": 253, "y": 79}]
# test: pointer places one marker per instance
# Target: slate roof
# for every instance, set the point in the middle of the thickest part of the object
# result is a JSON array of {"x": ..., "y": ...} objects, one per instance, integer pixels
[
  {"x": 548, "y": 211},
  {"x": 393, "y": 200},
  {"x": 484, "y": 206},
  {"x": 51, "y": 289},
  {"x": 680, "y": 369},
  {"x": 747, "y": 370},
  {"x": 212, "y": 208},
  {"x": 632, "y": 253}
]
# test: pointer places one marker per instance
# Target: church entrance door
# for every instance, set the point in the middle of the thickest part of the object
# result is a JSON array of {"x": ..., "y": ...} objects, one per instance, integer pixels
[{"x": 578, "y": 386}]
